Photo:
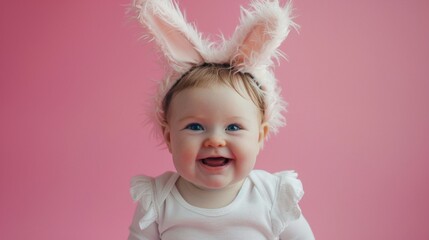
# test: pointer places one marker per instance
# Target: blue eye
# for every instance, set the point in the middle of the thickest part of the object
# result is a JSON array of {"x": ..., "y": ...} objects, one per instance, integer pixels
[
  {"x": 233, "y": 127},
  {"x": 194, "y": 127}
]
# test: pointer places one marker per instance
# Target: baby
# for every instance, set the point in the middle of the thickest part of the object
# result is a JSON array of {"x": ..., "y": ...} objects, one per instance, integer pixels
[{"x": 214, "y": 110}]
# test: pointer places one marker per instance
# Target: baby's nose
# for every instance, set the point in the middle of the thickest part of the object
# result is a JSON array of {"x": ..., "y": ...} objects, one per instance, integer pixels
[{"x": 214, "y": 141}]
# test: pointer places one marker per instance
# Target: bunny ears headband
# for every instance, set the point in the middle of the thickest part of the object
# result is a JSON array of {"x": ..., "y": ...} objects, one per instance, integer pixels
[{"x": 251, "y": 49}]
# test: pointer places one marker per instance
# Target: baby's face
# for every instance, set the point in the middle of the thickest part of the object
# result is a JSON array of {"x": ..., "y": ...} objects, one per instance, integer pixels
[{"x": 214, "y": 135}]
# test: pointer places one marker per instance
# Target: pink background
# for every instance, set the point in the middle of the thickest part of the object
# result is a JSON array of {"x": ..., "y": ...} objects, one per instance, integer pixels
[{"x": 74, "y": 83}]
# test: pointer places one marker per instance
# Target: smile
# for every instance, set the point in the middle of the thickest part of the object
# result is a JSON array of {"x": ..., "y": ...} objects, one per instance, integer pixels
[{"x": 215, "y": 162}]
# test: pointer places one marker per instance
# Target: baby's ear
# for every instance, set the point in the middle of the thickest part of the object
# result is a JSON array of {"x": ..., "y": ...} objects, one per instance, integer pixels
[
  {"x": 263, "y": 133},
  {"x": 261, "y": 31},
  {"x": 178, "y": 40},
  {"x": 167, "y": 138}
]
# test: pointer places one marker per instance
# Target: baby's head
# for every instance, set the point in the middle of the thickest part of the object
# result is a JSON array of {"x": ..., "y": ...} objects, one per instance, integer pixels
[
  {"x": 214, "y": 117},
  {"x": 214, "y": 125}
]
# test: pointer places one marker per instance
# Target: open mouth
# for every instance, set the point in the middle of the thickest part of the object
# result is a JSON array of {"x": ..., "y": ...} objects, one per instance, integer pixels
[{"x": 215, "y": 162}]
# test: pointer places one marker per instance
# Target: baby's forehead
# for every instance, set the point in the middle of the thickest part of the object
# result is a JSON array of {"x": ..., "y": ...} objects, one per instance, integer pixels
[{"x": 218, "y": 100}]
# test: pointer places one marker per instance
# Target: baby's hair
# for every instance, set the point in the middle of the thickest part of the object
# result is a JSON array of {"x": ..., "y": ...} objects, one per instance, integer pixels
[{"x": 210, "y": 74}]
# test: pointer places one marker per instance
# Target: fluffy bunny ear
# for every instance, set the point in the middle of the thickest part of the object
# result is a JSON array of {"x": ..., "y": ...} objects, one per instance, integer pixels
[
  {"x": 254, "y": 45},
  {"x": 179, "y": 41},
  {"x": 261, "y": 31}
]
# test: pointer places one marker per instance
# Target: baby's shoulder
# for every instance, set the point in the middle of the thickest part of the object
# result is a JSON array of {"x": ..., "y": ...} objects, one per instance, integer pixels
[
  {"x": 150, "y": 192},
  {"x": 153, "y": 188},
  {"x": 283, "y": 190},
  {"x": 274, "y": 184}
]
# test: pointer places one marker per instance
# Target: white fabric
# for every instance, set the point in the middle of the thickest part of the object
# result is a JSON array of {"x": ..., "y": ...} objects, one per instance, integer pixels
[{"x": 266, "y": 207}]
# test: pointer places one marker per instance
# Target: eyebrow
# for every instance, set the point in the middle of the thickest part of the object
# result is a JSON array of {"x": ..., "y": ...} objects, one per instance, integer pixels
[{"x": 189, "y": 117}]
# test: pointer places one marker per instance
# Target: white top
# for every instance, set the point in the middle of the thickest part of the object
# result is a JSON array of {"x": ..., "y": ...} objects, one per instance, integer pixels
[{"x": 266, "y": 207}]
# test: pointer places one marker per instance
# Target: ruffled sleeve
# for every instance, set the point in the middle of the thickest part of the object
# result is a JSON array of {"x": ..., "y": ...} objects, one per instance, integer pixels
[
  {"x": 285, "y": 206},
  {"x": 142, "y": 191}
]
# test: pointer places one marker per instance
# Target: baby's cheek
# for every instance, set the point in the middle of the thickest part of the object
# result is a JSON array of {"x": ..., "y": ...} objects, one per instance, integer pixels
[{"x": 187, "y": 151}]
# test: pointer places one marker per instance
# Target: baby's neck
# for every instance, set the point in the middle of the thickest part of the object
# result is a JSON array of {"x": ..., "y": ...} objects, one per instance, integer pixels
[{"x": 207, "y": 198}]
